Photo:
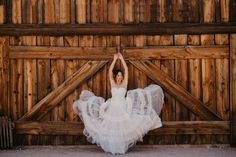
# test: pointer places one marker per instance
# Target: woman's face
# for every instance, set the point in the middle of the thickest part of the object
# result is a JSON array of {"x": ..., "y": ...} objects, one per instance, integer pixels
[{"x": 119, "y": 78}]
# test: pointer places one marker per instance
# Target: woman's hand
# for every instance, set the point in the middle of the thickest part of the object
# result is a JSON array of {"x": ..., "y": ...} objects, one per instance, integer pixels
[
  {"x": 120, "y": 55},
  {"x": 116, "y": 56}
]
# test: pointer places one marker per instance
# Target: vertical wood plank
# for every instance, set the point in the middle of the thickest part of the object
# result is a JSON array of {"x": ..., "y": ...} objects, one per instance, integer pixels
[
  {"x": 168, "y": 66},
  {"x": 193, "y": 10},
  {"x": 30, "y": 81},
  {"x": 70, "y": 68},
  {"x": 232, "y": 13},
  {"x": 208, "y": 11},
  {"x": 2, "y": 105},
  {"x": 161, "y": 13},
  {"x": 168, "y": 11},
  {"x": 49, "y": 11},
  {"x": 66, "y": 110},
  {"x": 32, "y": 14},
  {"x": 222, "y": 79},
  {"x": 40, "y": 11},
  {"x": 43, "y": 71},
  {"x": 2, "y": 13},
  {"x": 8, "y": 11},
  {"x": 81, "y": 11},
  {"x": 43, "y": 83},
  {"x": 129, "y": 11},
  {"x": 181, "y": 76},
  {"x": 16, "y": 14},
  {"x": 4, "y": 76},
  {"x": 224, "y": 10},
  {"x": 178, "y": 10},
  {"x": 65, "y": 8},
  {"x": 233, "y": 88},
  {"x": 113, "y": 11},
  {"x": 57, "y": 74},
  {"x": 72, "y": 11},
  {"x": 57, "y": 77},
  {"x": 154, "y": 41},
  {"x": 97, "y": 10},
  {"x": 88, "y": 11},
  {"x": 222, "y": 84},
  {"x": 17, "y": 91},
  {"x": 99, "y": 80},
  {"x": 57, "y": 5},
  {"x": 145, "y": 10},
  {"x": 30, "y": 75},
  {"x": 194, "y": 81},
  {"x": 217, "y": 11},
  {"x": 86, "y": 41},
  {"x": 25, "y": 11},
  {"x": 141, "y": 78},
  {"x": 208, "y": 75}
]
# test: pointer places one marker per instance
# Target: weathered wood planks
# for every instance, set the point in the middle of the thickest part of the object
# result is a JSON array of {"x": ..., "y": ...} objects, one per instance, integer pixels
[
  {"x": 198, "y": 60},
  {"x": 116, "y": 29},
  {"x": 169, "y": 128},
  {"x": 130, "y": 53},
  {"x": 183, "y": 96},
  {"x": 4, "y": 76},
  {"x": 58, "y": 94},
  {"x": 233, "y": 88}
]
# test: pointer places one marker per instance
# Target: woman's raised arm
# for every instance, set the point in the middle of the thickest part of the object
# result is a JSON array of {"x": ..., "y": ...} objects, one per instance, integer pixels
[
  {"x": 126, "y": 74},
  {"x": 112, "y": 81}
]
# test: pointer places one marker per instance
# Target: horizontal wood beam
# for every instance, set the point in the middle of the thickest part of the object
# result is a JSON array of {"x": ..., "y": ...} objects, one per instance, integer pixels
[
  {"x": 181, "y": 94},
  {"x": 116, "y": 29},
  {"x": 176, "y": 52},
  {"x": 30, "y": 52},
  {"x": 131, "y": 53},
  {"x": 58, "y": 94},
  {"x": 169, "y": 128}
]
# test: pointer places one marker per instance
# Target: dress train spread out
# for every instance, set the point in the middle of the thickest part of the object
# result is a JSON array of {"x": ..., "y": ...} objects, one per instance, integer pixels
[{"x": 118, "y": 123}]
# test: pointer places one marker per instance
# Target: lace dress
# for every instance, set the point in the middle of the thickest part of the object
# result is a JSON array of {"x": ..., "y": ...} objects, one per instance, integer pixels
[{"x": 118, "y": 123}]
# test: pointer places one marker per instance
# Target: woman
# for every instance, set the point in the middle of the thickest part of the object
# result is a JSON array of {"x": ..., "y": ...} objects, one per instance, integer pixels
[{"x": 118, "y": 123}]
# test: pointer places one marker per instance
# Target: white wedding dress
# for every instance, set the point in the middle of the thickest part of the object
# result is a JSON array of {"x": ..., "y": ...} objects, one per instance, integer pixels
[{"x": 118, "y": 123}]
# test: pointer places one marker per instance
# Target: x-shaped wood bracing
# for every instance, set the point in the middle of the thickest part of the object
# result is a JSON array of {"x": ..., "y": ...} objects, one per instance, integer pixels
[{"x": 147, "y": 67}]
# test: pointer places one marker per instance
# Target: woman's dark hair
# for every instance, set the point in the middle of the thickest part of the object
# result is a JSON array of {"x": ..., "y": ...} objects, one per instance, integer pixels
[{"x": 115, "y": 72}]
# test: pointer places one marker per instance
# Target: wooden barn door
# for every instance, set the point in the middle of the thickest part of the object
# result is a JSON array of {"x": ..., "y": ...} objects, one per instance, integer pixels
[
  {"x": 44, "y": 81},
  {"x": 41, "y": 76}
]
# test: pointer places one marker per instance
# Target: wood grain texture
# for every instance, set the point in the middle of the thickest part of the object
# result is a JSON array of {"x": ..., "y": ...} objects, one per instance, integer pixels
[
  {"x": 169, "y": 128},
  {"x": 115, "y": 29},
  {"x": 4, "y": 76},
  {"x": 131, "y": 53},
  {"x": 81, "y": 11},
  {"x": 52, "y": 99},
  {"x": 232, "y": 13},
  {"x": 2, "y": 13},
  {"x": 233, "y": 88},
  {"x": 187, "y": 40},
  {"x": 181, "y": 77},
  {"x": 179, "y": 92}
]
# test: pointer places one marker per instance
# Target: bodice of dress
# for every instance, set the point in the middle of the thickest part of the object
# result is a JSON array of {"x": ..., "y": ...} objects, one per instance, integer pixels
[{"x": 118, "y": 92}]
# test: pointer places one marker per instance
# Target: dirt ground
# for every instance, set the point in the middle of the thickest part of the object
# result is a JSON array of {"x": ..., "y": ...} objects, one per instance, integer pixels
[{"x": 136, "y": 151}]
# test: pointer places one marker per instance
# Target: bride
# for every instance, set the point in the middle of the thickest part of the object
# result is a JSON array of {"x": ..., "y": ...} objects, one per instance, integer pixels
[{"x": 118, "y": 123}]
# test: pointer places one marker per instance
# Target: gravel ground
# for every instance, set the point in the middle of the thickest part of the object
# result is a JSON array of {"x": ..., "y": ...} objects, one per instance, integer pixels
[{"x": 136, "y": 151}]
